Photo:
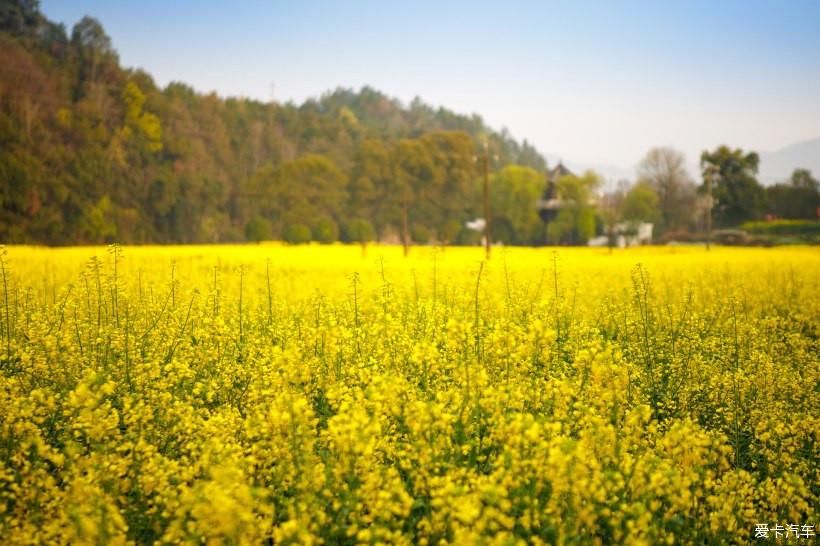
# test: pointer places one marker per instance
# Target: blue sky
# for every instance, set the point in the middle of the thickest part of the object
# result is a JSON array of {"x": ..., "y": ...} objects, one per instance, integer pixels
[{"x": 595, "y": 83}]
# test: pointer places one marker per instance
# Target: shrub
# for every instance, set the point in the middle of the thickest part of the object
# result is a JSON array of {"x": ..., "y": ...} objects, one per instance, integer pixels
[
  {"x": 258, "y": 229},
  {"x": 326, "y": 231},
  {"x": 468, "y": 237},
  {"x": 448, "y": 233},
  {"x": 297, "y": 234},
  {"x": 359, "y": 231},
  {"x": 419, "y": 234},
  {"x": 502, "y": 230},
  {"x": 784, "y": 227}
]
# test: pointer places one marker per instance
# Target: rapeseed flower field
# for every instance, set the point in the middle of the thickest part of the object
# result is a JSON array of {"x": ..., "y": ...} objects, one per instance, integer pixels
[{"x": 322, "y": 395}]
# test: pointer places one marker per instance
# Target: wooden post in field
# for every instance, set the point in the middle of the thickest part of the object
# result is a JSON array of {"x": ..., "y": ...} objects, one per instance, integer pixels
[
  {"x": 710, "y": 172},
  {"x": 487, "y": 230},
  {"x": 405, "y": 235}
]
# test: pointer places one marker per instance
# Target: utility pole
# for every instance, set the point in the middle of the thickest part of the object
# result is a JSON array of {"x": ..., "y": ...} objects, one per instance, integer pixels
[
  {"x": 710, "y": 172},
  {"x": 405, "y": 233},
  {"x": 487, "y": 230}
]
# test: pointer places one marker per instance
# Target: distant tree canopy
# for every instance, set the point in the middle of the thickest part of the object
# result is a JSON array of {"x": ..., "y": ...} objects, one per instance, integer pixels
[
  {"x": 515, "y": 191},
  {"x": 738, "y": 196},
  {"x": 575, "y": 223},
  {"x": 797, "y": 198},
  {"x": 640, "y": 204},
  {"x": 664, "y": 170},
  {"x": 20, "y": 16},
  {"x": 92, "y": 152}
]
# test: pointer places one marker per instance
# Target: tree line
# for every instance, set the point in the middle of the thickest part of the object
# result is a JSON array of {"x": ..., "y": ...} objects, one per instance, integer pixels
[
  {"x": 92, "y": 152},
  {"x": 728, "y": 190}
]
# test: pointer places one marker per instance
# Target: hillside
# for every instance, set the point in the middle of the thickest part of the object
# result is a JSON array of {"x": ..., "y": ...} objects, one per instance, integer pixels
[{"x": 94, "y": 152}]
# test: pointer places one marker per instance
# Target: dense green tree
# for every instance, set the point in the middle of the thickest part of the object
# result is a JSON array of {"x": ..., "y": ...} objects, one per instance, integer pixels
[
  {"x": 575, "y": 222},
  {"x": 452, "y": 174},
  {"x": 640, "y": 204},
  {"x": 299, "y": 191},
  {"x": 140, "y": 126},
  {"x": 93, "y": 152},
  {"x": 797, "y": 198},
  {"x": 296, "y": 234},
  {"x": 803, "y": 179},
  {"x": 96, "y": 59},
  {"x": 325, "y": 231},
  {"x": 177, "y": 165},
  {"x": 504, "y": 232},
  {"x": 420, "y": 234},
  {"x": 370, "y": 181},
  {"x": 449, "y": 230},
  {"x": 359, "y": 231},
  {"x": 738, "y": 196},
  {"x": 406, "y": 196},
  {"x": 20, "y": 16},
  {"x": 515, "y": 190},
  {"x": 258, "y": 229}
]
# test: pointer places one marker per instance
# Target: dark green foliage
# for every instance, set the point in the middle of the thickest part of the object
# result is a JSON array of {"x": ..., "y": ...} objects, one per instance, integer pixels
[
  {"x": 468, "y": 237},
  {"x": 359, "y": 230},
  {"x": 420, "y": 234},
  {"x": 641, "y": 204},
  {"x": 504, "y": 232},
  {"x": 19, "y": 16},
  {"x": 797, "y": 198},
  {"x": 296, "y": 234},
  {"x": 575, "y": 223},
  {"x": 258, "y": 229},
  {"x": 326, "y": 231},
  {"x": 784, "y": 231},
  {"x": 738, "y": 196},
  {"x": 92, "y": 152},
  {"x": 514, "y": 191},
  {"x": 448, "y": 232},
  {"x": 784, "y": 227}
]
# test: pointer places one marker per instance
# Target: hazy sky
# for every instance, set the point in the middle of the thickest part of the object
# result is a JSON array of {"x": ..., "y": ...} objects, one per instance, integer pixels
[{"x": 590, "y": 82}]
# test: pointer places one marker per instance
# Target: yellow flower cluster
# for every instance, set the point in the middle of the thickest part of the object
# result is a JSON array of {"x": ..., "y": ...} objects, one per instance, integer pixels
[{"x": 315, "y": 395}]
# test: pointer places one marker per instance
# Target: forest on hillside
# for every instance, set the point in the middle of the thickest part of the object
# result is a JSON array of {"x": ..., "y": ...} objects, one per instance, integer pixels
[{"x": 93, "y": 152}]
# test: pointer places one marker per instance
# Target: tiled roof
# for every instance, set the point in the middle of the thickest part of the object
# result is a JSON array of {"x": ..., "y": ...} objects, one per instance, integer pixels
[{"x": 557, "y": 172}]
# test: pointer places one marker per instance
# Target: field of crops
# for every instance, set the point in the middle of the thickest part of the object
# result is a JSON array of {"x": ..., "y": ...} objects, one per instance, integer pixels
[{"x": 316, "y": 395}]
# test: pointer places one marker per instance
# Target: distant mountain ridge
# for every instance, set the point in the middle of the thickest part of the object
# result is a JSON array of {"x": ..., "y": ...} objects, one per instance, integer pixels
[{"x": 778, "y": 165}]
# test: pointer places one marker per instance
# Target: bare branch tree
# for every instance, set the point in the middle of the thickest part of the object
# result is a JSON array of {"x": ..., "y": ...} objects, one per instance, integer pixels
[{"x": 665, "y": 170}]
